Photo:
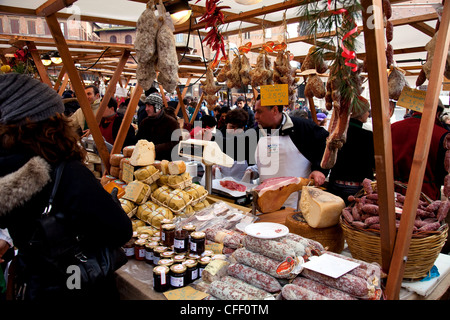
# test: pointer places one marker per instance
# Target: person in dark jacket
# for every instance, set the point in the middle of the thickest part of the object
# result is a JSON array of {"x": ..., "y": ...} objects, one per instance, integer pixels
[
  {"x": 158, "y": 128},
  {"x": 240, "y": 103},
  {"x": 288, "y": 147},
  {"x": 37, "y": 137},
  {"x": 110, "y": 125},
  {"x": 355, "y": 160},
  {"x": 141, "y": 113}
]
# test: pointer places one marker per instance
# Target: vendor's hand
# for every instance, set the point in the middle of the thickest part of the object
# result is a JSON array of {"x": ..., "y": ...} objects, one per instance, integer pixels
[
  {"x": 318, "y": 177},
  {"x": 4, "y": 246},
  {"x": 86, "y": 133}
]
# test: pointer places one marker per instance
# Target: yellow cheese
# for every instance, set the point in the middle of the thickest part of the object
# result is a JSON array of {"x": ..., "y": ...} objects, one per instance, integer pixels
[
  {"x": 143, "y": 153},
  {"x": 320, "y": 209}
]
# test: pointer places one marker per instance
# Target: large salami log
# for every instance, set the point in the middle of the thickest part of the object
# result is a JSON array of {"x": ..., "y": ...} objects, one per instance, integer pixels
[
  {"x": 226, "y": 291},
  {"x": 294, "y": 292},
  {"x": 254, "y": 277},
  {"x": 271, "y": 248},
  {"x": 348, "y": 283},
  {"x": 248, "y": 288},
  {"x": 259, "y": 262},
  {"x": 322, "y": 289}
]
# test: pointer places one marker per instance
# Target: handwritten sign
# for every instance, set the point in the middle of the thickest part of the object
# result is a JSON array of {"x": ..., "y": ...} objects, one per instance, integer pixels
[
  {"x": 127, "y": 172},
  {"x": 274, "y": 95},
  {"x": 412, "y": 99}
]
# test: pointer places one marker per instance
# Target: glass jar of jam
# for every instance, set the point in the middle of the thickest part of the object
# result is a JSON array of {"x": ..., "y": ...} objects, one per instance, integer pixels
[
  {"x": 165, "y": 262},
  {"x": 144, "y": 236},
  {"x": 161, "y": 278},
  {"x": 167, "y": 254},
  {"x": 139, "y": 249},
  {"x": 167, "y": 234},
  {"x": 197, "y": 243},
  {"x": 178, "y": 275},
  {"x": 128, "y": 248},
  {"x": 154, "y": 239},
  {"x": 181, "y": 241},
  {"x": 163, "y": 222},
  {"x": 202, "y": 263},
  {"x": 189, "y": 228},
  {"x": 179, "y": 258},
  {"x": 193, "y": 256},
  {"x": 191, "y": 270},
  {"x": 157, "y": 254},
  {"x": 149, "y": 247}
]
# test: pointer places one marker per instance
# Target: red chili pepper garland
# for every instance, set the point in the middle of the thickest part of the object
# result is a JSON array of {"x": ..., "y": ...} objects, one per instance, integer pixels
[
  {"x": 213, "y": 17},
  {"x": 346, "y": 53}
]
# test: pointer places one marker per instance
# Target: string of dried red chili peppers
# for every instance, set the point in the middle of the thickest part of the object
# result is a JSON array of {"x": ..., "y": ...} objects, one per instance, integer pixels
[
  {"x": 346, "y": 53},
  {"x": 213, "y": 18}
]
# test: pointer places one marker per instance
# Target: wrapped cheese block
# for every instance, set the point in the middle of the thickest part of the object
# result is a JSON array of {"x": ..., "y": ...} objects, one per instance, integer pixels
[
  {"x": 127, "y": 206},
  {"x": 201, "y": 205},
  {"x": 145, "y": 172},
  {"x": 144, "y": 210},
  {"x": 196, "y": 191},
  {"x": 161, "y": 194},
  {"x": 178, "y": 200},
  {"x": 320, "y": 209},
  {"x": 158, "y": 215},
  {"x": 136, "y": 223},
  {"x": 137, "y": 192},
  {"x": 163, "y": 180},
  {"x": 143, "y": 153},
  {"x": 177, "y": 167},
  {"x": 187, "y": 212},
  {"x": 215, "y": 270}
]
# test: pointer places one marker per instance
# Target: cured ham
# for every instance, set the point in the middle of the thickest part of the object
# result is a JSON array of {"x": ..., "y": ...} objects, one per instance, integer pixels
[
  {"x": 231, "y": 185},
  {"x": 273, "y": 192}
]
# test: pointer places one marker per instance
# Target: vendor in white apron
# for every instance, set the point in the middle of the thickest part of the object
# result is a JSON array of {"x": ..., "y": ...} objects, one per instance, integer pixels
[{"x": 288, "y": 147}]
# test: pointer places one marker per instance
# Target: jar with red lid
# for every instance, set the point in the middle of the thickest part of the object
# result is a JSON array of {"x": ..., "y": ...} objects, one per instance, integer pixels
[
  {"x": 161, "y": 279},
  {"x": 139, "y": 249}
]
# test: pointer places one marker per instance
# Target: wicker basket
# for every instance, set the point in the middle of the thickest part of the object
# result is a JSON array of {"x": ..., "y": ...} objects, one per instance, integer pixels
[{"x": 364, "y": 244}]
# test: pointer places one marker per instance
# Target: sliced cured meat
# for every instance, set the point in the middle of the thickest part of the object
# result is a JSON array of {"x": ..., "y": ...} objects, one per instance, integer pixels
[
  {"x": 231, "y": 185},
  {"x": 273, "y": 192}
]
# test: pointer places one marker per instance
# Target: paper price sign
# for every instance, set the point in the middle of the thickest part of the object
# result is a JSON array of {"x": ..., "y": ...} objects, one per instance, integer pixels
[
  {"x": 274, "y": 95},
  {"x": 127, "y": 173},
  {"x": 412, "y": 99}
]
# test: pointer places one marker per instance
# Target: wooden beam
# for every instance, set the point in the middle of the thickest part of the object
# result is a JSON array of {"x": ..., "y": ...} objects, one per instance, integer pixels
[
  {"x": 112, "y": 85},
  {"x": 64, "y": 84},
  {"x": 415, "y": 181},
  {"x": 61, "y": 75},
  {"x": 38, "y": 63},
  {"x": 76, "y": 81},
  {"x": 181, "y": 105},
  {"x": 52, "y": 6},
  {"x": 423, "y": 27},
  {"x": 127, "y": 119},
  {"x": 379, "y": 100},
  {"x": 197, "y": 108}
]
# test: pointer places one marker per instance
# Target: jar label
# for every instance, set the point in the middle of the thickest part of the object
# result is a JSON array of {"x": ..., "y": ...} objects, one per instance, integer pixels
[
  {"x": 163, "y": 236},
  {"x": 156, "y": 259},
  {"x": 193, "y": 246},
  {"x": 142, "y": 253},
  {"x": 179, "y": 244},
  {"x": 128, "y": 251},
  {"x": 149, "y": 255},
  {"x": 194, "y": 274},
  {"x": 163, "y": 278},
  {"x": 176, "y": 281}
]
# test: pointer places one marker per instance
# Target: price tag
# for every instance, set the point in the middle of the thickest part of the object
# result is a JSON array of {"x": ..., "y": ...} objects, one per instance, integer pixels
[
  {"x": 127, "y": 173},
  {"x": 274, "y": 95},
  {"x": 133, "y": 190},
  {"x": 412, "y": 99}
]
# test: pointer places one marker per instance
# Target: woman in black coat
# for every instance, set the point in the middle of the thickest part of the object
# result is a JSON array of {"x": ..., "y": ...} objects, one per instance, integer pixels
[{"x": 36, "y": 138}]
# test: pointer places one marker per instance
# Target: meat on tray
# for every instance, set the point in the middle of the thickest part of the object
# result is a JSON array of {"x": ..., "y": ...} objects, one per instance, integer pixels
[{"x": 234, "y": 186}]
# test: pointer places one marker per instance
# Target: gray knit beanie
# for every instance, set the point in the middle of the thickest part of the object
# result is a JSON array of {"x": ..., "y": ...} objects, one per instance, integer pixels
[
  {"x": 155, "y": 100},
  {"x": 23, "y": 97}
]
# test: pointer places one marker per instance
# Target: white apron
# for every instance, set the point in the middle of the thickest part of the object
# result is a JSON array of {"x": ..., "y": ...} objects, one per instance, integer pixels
[{"x": 277, "y": 156}]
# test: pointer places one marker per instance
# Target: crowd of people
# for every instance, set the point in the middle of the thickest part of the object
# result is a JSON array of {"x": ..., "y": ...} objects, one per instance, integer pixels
[{"x": 40, "y": 130}]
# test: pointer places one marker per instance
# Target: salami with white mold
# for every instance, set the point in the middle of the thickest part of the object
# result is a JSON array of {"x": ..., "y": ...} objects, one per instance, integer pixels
[
  {"x": 322, "y": 289},
  {"x": 226, "y": 291},
  {"x": 254, "y": 277},
  {"x": 294, "y": 292},
  {"x": 258, "y": 262},
  {"x": 268, "y": 247}
]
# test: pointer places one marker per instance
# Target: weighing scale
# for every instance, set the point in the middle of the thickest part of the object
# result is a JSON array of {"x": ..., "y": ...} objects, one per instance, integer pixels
[{"x": 208, "y": 152}]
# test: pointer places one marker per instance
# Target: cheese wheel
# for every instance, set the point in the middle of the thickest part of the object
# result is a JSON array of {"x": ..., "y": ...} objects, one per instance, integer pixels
[
  {"x": 145, "y": 172},
  {"x": 128, "y": 151},
  {"x": 143, "y": 153},
  {"x": 114, "y": 159},
  {"x": 124, "y": 160},
  {"x": 107, "y": 178},
  {"x": 177, "y": 167},
  {"x": 165, "y": 166},
  {"x": 114, "y": 171},
  {"x": 320, "y": 209}
]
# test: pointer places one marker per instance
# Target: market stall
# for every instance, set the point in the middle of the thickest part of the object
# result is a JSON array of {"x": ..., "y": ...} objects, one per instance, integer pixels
[{"x": 152, "y": 191}]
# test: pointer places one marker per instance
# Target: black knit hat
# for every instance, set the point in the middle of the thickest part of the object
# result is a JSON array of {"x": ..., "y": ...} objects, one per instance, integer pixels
[
  {"x": 155, "y": 100},
  {"x": 23, "y": 97}
]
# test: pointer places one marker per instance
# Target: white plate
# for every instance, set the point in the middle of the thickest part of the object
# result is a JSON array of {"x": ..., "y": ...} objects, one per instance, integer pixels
[{"x": 266, "y": 230}]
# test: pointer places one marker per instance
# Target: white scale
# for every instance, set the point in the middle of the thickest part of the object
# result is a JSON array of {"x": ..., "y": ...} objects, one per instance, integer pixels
[{"x": 208, "y": 152}]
